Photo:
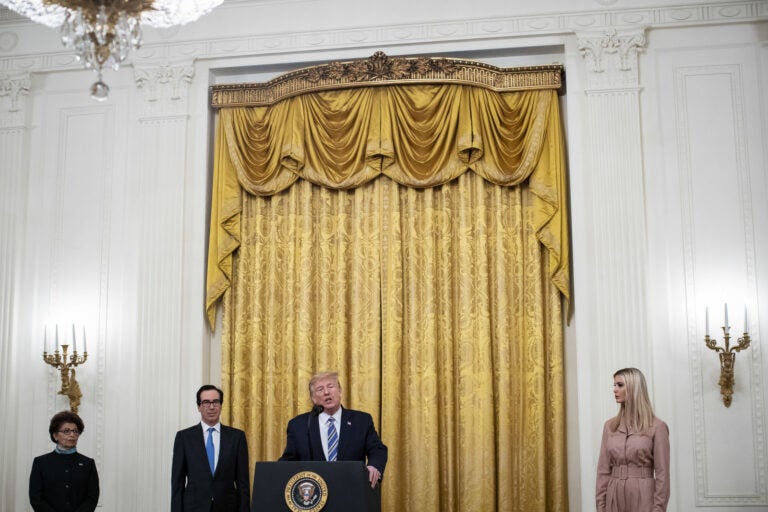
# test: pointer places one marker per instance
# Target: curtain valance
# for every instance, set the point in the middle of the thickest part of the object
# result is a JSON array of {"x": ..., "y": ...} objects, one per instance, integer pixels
[{"x": 418, "y": 134}]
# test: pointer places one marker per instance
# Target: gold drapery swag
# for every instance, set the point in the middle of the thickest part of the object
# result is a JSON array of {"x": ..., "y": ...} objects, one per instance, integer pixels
[
  {"x": 402, "y": 221},
  {"x": 418, "y": 135}
]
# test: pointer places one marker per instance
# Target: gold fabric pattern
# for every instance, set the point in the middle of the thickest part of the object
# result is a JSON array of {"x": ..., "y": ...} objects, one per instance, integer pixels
[
  {"x": 307, "y": 297},
  {"x": 419, "y": 136},
  {"x": 414, "y": 238}
]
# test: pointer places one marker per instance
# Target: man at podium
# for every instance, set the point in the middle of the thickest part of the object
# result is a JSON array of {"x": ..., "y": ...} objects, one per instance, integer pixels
[{"x": 330, "y": 432}]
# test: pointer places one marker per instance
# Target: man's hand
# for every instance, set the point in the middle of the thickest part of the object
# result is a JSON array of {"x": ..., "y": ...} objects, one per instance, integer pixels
[{"x": 373, "y": 476}]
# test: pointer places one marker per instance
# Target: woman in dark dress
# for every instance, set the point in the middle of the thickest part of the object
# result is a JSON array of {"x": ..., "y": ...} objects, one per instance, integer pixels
[{"x": 64, "y": 480}]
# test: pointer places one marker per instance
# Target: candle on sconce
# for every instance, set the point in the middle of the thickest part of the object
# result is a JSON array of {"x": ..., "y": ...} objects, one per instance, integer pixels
[
  {"x": 727, "y": 352},
  {"x": 45, "y": 339},
  {"x": 74, "y": 340},
  {"x": 706, "y": 321},
  {"x": 57, "y": 337},
  {"x": 85, "y": 344},
  {"x": 746, "y": 320}
]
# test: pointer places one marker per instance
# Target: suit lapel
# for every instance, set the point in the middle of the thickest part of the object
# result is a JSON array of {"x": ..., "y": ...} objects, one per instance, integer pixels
[
  {"x": 344, "y": 433},
  {"x": 197, "y": 443},
  {"x": 224, "y": 443},
  {"x": 317, "y": 442}
]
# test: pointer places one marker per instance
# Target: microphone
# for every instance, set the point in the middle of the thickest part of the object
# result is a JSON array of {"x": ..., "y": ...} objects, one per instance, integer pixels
[{"x": 316, "y": 410}]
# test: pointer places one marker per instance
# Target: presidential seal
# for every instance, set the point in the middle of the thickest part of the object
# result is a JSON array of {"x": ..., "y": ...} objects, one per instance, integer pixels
[{"x": 306, "y": 492}]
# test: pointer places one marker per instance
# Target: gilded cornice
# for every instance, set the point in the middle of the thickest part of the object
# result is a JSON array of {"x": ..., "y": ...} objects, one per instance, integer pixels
[{"x": 380, "y": 69}]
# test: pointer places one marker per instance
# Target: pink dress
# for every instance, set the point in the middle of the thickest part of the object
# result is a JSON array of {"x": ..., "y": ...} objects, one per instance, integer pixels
[{"x": 633, "y": 470}]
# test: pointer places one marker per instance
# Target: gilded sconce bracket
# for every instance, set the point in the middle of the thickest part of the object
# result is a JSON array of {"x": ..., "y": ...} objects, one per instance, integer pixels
[
  {"x": 66, "y": 366},
  {"x": 727, "y": 356},
  {"x": 66, "y": 363}
]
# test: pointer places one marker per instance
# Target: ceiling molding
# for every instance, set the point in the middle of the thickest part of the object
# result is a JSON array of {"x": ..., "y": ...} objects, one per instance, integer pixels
[{"x": 389, "y": 36}]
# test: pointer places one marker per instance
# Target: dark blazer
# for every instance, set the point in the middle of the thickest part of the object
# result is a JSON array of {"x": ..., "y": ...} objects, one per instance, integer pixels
[
  {"x": 63, "y": 483},
  {"x": 194, "y": 489},
  {"x": 358, "y": 439}
]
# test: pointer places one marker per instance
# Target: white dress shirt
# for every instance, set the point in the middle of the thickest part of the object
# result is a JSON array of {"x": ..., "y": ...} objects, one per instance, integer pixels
[{"x": 323, "y": 423}]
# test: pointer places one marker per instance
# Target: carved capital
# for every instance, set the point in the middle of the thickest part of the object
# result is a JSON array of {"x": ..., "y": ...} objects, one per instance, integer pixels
[
  {"x": 611, "y": 57},
  {"x": 13, "y": 92},
  {"x": 164, "y": 87}
]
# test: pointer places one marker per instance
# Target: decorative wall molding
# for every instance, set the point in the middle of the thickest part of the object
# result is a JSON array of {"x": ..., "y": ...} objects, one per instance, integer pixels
[
  {"x": 396, "y": 35},
  {"x": 611, "y": 57},
  {"x": 751, "y": 360},
  {"x": 65, "y": 175},
  {"x": 14, "y": 90},
  {"x": 8, "y": 41}
]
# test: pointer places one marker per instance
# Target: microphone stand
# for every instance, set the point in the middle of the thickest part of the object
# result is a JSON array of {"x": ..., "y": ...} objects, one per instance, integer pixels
[{"x": 316, "y": 410}]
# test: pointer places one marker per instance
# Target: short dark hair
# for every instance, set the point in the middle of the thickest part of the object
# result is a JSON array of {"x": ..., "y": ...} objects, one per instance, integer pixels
[
  {"x": 63, "y": 417},
  {"x": 209, "y": 387}
]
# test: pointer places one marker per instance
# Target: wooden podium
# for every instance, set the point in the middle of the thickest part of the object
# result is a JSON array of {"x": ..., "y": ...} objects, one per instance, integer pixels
[{"x": 313, "y": 486}]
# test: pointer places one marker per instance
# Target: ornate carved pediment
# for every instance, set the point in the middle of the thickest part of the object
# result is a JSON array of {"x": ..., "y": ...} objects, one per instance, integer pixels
[{"x": 380, "y": 69}]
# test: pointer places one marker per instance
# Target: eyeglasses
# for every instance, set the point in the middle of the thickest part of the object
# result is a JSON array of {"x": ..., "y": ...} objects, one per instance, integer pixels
[
  {"x": 68, "y": 431},
  {"x": 208, "y": 403}
]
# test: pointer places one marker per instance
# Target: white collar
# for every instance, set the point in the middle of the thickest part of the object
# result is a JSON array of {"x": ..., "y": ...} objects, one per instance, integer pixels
[
  {"x": 336, "y": 416},
  {"x": 216, "y": 427}
]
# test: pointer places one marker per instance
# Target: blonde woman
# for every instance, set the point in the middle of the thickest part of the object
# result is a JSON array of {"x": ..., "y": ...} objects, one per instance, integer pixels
[{"x": 633, "y": 468}]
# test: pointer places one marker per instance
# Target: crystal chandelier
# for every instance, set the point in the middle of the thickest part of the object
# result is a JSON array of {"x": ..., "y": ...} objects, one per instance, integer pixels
[{"x": 103, "y": 32}]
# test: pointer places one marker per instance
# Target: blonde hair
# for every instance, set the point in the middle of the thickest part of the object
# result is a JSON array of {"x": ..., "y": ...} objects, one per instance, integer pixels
[
  {"x": 323, "y": 375},
  {"x": 636, "y": 412}
]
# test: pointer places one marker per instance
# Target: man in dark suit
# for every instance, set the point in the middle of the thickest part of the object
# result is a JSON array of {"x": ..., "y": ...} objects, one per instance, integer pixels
[
  {"x": 210, "y": 462},
  {"x": 331, "y": 432}
]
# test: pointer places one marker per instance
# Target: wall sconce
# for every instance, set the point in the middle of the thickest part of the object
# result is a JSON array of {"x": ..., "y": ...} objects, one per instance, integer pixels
[
  {"x": 66, "y": 366},
  {"x": 727, "y": 354}
]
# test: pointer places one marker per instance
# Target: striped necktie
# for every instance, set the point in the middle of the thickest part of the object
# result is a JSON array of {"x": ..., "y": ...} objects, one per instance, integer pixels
[{"x": 333, "y": 441}]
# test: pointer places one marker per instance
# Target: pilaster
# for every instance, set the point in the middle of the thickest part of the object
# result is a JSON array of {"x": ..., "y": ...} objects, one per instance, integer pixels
[
  {"x": 13, "y": 184},
  {"x": 159, "y": 182},
  {"x": 613, "y": 159}
]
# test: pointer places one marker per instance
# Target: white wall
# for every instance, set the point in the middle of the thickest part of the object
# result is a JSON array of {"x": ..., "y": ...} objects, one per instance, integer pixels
[
  {"x": 706, "y": 182},
  {"x": 104, "y": 218}
]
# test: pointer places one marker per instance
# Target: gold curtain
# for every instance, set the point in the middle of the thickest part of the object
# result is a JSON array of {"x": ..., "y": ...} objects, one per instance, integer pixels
[{"x": 347, "y": 234}]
